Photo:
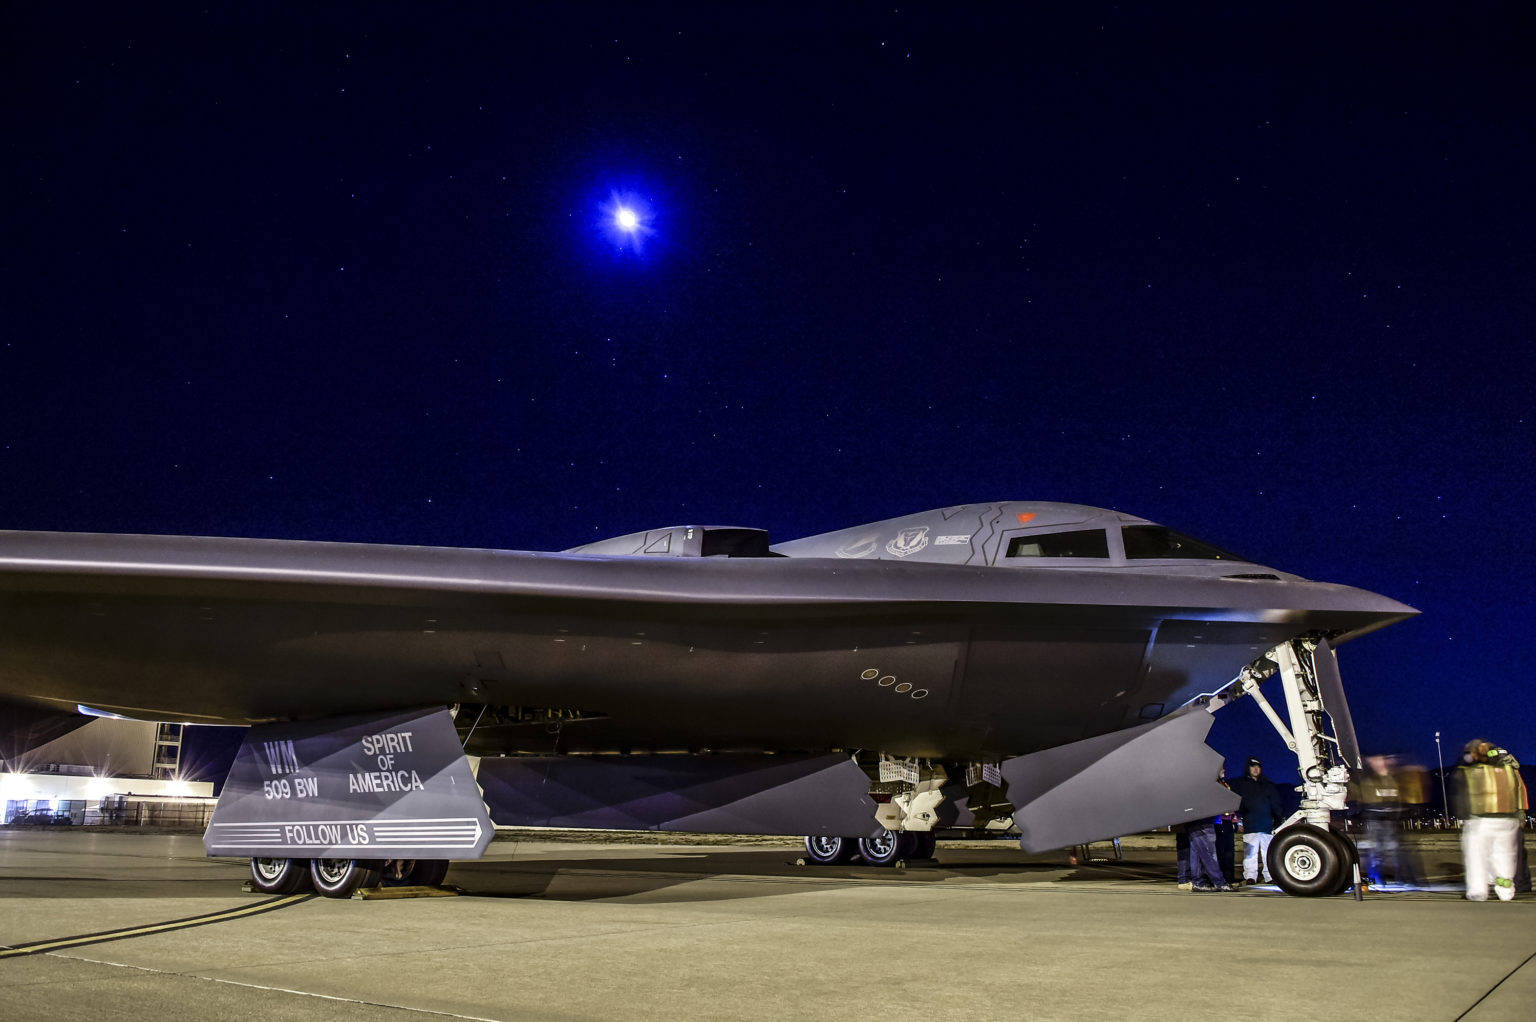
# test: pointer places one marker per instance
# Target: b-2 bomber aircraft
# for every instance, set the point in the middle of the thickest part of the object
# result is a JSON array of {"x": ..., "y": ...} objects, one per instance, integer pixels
[{"x": 1041, "y": 668}]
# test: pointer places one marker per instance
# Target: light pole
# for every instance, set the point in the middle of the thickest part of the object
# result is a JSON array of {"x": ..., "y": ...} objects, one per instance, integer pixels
[{"x": 1445, "y": 802}]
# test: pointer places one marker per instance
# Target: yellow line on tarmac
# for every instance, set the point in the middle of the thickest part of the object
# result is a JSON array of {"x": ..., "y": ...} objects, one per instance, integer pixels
[{"x": 82, "y": 939}]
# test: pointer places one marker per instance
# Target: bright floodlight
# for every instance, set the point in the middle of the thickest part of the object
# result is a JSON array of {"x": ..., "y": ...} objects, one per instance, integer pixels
[{"x": 626, "y": 219}]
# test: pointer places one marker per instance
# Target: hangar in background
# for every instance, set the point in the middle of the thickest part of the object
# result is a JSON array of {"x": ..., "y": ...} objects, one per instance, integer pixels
[{"x": 107, "y": 770}]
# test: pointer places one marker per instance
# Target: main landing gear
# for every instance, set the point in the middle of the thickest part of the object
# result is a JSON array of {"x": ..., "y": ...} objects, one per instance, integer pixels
[
  {"x": 886, "y": 848},
  {"x": 341, "y": 878},
  {"x": 821, "y": 850}
]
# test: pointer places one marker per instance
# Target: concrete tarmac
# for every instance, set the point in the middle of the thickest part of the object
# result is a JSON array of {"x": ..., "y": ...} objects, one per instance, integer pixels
[{"x": 587, "y": 930}]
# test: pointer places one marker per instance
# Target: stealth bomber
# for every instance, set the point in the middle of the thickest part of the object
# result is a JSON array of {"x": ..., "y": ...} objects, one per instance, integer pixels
[{"x": 1048, "y": 670}]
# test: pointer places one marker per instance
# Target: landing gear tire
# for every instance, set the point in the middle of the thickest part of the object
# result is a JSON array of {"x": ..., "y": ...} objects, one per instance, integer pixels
[
  {"x": 829, "y": 851},
  {"x": 886, "y": 848},
  {"x": 280, "y": 876},
  {"x": 413, "y": 872},
  {"x": 1306, "y": 861},
  {"x": 429, "y": 872},
  {"x": 923, "y": 844},
  {"x": 341, "y": 878},
  {"x": 1351, "y": 857}
]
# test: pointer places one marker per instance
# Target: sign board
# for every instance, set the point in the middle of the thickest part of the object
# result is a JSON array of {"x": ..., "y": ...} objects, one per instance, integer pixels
[{"x": 372, "y": 786}]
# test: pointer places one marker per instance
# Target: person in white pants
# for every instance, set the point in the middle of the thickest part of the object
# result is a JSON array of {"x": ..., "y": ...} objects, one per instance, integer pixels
[
  {"x": 1262, "y": 811},
  {"x": 1494, "y": 802},
  {"x": 1256, "y": 856},
  {"x": 1490, "y": 846}
]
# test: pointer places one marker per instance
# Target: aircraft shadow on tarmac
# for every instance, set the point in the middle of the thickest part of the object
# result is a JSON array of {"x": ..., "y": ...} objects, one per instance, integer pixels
[
  {"x": 690, "y": 876},
  {"x": 731, "y": 875},
  {"x": 727, "y": 874}
]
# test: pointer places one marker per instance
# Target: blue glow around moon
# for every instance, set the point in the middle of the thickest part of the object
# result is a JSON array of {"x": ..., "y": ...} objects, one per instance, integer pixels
[{"x": 627, "y": 220}]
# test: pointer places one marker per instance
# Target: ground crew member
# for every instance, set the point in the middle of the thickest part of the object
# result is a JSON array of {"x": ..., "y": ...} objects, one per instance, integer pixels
[
  {"x": 1386, "y": 790},
  {"x": 1204, "y": 869},
  {"x": 1262, "y": 811},
  {"x": 1493, "y": 804},
  {"x": 1181, "y": 849},
  {"x": 1226, "y": 837}
]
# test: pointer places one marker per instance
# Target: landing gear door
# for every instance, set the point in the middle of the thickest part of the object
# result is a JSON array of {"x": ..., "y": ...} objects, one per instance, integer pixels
[
  {"x": 1331, "y": 687},
  {"x": 380, "y": 785}
]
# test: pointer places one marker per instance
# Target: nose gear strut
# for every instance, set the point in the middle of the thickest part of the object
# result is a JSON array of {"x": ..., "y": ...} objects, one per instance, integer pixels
[{"x": 1308, "y": 856}]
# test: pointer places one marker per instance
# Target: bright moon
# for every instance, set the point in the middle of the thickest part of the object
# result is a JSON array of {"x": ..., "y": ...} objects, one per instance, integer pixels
[{"x": 626, "y": 219}]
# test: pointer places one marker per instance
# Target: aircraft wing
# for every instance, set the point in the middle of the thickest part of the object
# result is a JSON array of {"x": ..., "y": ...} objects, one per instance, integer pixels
[{"x": 243, "y": 630}]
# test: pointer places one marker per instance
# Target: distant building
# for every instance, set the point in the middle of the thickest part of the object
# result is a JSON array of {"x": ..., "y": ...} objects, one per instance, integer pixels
[{"x": 105, "y": 771}]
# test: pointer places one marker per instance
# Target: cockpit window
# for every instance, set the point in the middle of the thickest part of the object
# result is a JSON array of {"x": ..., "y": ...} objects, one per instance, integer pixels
[
  {"x": 1082, "y": 543},
  {"x": 1153, "y": 542}
]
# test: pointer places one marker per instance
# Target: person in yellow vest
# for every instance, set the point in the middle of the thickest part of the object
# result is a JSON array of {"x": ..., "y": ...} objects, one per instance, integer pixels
[{"x": 1493, "y": 805}]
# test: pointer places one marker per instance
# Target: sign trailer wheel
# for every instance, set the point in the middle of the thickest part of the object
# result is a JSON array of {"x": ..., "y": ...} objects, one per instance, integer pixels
[
  {"x": 280, "y": 876},
  {"x": 340, "y": 878}
]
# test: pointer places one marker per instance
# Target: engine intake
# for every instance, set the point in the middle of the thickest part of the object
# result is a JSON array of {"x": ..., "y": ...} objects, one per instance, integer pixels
[{"x": 684, "y": 541}]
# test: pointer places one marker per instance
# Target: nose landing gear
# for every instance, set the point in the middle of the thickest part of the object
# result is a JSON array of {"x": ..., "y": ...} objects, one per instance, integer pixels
[{"x": 1308, "y": 857}]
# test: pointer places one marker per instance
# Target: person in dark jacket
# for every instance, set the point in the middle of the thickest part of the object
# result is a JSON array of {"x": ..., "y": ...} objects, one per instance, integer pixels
[{"x": 1262, "y": 811}]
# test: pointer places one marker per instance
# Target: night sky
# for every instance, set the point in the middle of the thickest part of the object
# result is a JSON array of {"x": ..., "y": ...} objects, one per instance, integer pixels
[{"x": 351, "y": 275}]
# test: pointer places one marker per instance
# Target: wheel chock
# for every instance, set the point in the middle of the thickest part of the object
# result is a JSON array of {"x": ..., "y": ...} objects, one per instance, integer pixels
[
  {"x": 387, "y": 893},
  {"x": 406, "y": 891}
]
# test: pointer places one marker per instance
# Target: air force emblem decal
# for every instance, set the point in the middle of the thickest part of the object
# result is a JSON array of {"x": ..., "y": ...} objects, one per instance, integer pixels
[
  {"x": 908, "y": 542},
  {"x": 861, "y": 547}
]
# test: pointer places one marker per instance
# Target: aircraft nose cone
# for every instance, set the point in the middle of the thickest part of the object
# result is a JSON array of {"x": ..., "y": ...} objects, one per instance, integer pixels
[
  {"x": 1387, "y": 605},
  {"x": 1376, "y": 609}
]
